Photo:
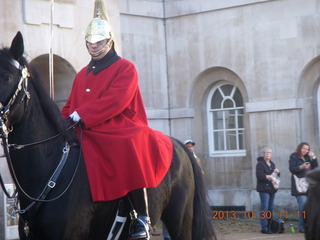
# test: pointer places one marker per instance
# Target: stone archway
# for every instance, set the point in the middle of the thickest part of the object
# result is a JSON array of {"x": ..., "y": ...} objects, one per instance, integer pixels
[
  {"x": 64, "y": 75},
  {"x": 309, "y": 100}
]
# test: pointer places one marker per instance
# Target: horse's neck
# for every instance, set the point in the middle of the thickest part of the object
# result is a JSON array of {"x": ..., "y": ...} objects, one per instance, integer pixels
[{"x": 34, "y": 126}]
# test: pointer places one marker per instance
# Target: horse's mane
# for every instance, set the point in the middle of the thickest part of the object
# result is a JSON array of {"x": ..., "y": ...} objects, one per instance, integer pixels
[{"x": 48, "y": 106}]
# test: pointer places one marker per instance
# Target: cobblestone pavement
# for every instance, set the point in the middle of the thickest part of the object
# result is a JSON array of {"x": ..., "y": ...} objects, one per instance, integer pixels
[{"x": 239, "y": 229}]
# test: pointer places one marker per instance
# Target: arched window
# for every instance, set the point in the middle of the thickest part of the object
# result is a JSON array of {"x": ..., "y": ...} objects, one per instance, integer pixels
[{"x": 225, "y": 113}]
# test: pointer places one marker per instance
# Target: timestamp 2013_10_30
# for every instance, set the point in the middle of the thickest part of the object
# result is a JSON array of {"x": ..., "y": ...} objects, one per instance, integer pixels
[{"x": 224, "y": 215}]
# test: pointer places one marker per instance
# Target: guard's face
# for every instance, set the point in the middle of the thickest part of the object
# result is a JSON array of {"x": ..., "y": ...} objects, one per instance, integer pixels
[
  {"x": 98, "y": 50},
  {"x": 96, "y": 47}
]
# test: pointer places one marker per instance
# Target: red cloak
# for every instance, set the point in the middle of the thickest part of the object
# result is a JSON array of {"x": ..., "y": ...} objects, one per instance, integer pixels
[{"x": 121, "y": 152}]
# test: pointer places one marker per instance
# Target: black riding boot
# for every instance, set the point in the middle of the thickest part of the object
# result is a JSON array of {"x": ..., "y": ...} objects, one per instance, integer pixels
[{"x": 140, "y": 222}]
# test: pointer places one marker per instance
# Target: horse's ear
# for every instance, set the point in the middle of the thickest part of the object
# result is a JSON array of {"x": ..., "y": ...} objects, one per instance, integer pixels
[{"x": 17, "y": 47}]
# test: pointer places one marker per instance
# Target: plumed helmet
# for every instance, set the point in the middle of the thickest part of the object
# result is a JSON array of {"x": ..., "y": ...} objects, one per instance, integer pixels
[{"x": 99, "y": 27}]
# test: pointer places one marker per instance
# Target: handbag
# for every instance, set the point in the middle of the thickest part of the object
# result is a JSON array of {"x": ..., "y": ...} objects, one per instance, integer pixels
[
  {"x": 301, "y": 184},
  {"x": 276, "y": 226}
]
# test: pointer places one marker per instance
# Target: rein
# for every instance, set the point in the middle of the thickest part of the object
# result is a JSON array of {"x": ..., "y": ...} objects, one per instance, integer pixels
[
  {"x": 52, "y": 181},
  {"x": 36, "y": 202},
  {"x": 20, "y": 146}
]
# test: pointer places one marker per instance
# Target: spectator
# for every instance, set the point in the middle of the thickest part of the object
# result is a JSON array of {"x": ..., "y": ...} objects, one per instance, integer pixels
[
  {"x": 264, "y": 170},
  {"x": 190, "y": 145},
  {"x": 300, "y": 163}
]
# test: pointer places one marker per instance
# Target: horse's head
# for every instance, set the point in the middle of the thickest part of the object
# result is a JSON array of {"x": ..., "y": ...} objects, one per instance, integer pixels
[
  {"x": 22, "y": 93},
  {"x": 13, "y": 80}
]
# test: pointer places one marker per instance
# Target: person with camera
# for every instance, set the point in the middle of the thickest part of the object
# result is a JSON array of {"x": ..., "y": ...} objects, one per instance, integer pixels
[{"x": 300, "y": 163}]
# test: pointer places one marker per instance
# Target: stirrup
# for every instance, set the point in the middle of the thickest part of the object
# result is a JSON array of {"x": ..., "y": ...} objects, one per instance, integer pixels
[
  {"x": 139, "y": 227},
  {"x": 133, "y": 215}
]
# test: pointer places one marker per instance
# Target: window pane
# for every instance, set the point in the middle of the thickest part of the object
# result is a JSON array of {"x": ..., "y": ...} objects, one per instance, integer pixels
[
  {"x": 217, "y": 120},
  {"x": 228, "y": 103},
  {"x": 230, "y": 119},
  {"x": 218, "y": 141},
  {"x": 241, "y": 139},
  {"x": 240, "y": 121},
  {"x": 238, "y": 98},
  {"x": 216, "y": 100},
  {"x": 231, "y": 140},
  {"x": 226, "y": 89}
]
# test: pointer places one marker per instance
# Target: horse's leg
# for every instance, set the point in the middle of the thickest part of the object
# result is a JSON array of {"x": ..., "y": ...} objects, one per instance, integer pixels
[
  {"x": 158, "y": 198},
  {"x": 178, "y": 216}
]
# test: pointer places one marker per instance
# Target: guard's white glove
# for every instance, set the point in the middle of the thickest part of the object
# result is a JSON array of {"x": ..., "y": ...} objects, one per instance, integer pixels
[{"x": 75, "y": 117}]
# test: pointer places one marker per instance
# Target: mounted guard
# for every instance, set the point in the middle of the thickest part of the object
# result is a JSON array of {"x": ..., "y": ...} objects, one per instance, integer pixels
[{"x": 106, "y": 100}]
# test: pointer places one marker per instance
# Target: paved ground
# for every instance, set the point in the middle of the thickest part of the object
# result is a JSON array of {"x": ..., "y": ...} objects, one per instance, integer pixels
[{"x": 239, "y": 229}]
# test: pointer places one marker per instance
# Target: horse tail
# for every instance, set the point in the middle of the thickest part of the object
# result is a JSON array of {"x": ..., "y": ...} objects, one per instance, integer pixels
[{"x": 202, "y": 226}]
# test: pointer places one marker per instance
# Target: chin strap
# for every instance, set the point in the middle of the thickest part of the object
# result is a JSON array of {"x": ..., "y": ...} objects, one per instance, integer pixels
[{"x": 102, "y": 50}]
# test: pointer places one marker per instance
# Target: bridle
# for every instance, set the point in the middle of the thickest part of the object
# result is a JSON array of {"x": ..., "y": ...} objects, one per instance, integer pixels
[
  {"x": 22, "y": 85},
  {"x": 4, "y": 132},
  {"x": 5, "y": 111}
]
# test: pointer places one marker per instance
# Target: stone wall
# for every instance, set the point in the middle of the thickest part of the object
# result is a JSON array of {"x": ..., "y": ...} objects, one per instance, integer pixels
[{"x": 268, "y": 49}]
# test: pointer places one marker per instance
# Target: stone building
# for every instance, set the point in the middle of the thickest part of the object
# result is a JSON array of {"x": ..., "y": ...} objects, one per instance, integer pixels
[{"x": 235, "y": 76}]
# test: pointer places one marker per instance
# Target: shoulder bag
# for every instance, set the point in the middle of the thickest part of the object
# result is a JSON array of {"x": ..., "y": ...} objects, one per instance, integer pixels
[{"x": 301, "y": 184}]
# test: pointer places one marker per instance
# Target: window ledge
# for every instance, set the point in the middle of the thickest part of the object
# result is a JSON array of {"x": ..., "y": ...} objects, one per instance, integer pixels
[{"x": 231, "y": 153}]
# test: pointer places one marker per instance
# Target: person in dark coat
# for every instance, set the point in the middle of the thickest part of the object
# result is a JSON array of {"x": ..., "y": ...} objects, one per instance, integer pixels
[
  {"x": 266, "y": 172},
  {"x": 300, "y": 163}
]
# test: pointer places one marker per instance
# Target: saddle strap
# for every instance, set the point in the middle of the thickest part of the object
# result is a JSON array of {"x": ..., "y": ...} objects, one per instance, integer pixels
[{"x": 119, "y": 222}]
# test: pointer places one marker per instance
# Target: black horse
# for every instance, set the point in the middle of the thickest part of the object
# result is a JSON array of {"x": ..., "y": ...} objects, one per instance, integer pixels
[{"x": 50, "y": 175}]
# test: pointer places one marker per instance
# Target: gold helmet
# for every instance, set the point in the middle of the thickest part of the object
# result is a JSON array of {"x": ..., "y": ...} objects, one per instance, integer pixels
[{"x": 99, "y": 27}]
